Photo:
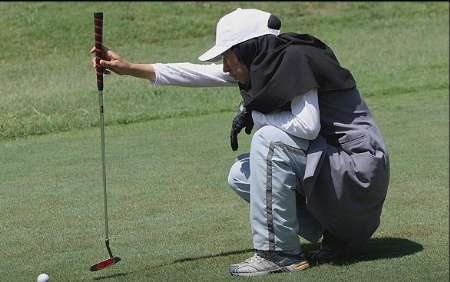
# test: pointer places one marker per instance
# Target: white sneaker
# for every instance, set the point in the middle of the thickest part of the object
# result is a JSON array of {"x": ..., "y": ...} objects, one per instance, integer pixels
[{"x": 265, "y": 262}]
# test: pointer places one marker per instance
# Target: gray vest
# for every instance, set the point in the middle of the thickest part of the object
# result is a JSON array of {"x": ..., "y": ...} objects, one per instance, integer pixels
[{"x": 347, "y": 168}]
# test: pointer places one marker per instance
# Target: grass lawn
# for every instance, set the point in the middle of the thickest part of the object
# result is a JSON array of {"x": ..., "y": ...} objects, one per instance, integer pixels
[{"x": 172, "y": 215}]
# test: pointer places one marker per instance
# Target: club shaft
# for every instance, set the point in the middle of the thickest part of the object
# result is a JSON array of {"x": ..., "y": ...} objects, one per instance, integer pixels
[{"x": 102, "y": 130}]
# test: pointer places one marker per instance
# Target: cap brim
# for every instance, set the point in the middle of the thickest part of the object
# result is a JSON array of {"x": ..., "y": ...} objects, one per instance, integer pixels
[{"x": 213, "y": 54}]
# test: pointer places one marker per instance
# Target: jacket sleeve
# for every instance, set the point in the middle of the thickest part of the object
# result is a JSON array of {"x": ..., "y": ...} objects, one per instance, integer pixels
[
  {"x": 192, "y": 75},
  {"x": 302, "y": 121}
]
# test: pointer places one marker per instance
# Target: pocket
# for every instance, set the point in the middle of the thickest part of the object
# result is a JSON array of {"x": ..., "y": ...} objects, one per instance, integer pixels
[
  {"x": 370, "y": 171},
  {"x": 365, "y": 166},
  {"x": 355, "y": 144}
]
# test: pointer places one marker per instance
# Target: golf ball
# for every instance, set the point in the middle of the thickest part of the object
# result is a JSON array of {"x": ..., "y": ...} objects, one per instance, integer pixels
[{"x": 43, "y": 277}]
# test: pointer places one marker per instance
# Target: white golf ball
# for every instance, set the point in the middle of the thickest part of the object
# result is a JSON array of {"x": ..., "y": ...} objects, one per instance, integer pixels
[{"x": 43, "y": 277}]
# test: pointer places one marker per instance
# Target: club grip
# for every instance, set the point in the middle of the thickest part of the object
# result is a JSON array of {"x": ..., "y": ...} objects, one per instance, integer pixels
[{"x": 98, "y": 23}]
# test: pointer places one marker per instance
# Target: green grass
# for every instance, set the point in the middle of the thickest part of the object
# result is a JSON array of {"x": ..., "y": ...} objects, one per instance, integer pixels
[
  {"x": 172, "y": 216},
  {"x": 48, "y": 85}
]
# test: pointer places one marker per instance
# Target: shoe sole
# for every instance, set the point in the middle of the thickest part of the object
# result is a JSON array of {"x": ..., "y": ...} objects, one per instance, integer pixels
[{"x": 290, "y": 268}]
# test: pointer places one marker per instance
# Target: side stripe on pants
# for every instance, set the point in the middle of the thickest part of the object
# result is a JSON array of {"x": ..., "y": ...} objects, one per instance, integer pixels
[{"x": 269, "y": 210}]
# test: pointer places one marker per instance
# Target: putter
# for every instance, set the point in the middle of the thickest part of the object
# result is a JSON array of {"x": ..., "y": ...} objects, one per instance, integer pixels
[{"x": 98, "y": 22}]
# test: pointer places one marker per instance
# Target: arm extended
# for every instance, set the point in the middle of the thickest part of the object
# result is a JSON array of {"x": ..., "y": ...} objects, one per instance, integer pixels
[{"x": 179, "y": 74}]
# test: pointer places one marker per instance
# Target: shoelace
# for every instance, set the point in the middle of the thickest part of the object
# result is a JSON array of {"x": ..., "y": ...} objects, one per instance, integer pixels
[{"x": 254, "y": 259}]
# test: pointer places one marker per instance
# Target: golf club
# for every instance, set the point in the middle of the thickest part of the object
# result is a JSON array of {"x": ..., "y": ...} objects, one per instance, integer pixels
[{"x": 98, "y": 22}]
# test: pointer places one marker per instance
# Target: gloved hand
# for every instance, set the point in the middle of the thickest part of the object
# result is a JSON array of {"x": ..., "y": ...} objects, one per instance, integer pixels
[{"x": 242, "y": 119}]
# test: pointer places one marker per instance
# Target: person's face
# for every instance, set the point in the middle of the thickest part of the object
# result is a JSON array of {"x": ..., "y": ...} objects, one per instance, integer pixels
[{"x": 236, "y": 69}]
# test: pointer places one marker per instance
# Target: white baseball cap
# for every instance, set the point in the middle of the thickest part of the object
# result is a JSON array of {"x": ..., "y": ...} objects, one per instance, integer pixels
[{"x": 236, "y": 27}]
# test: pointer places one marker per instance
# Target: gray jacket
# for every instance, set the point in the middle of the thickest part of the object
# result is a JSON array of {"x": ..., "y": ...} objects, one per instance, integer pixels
[{"x": 347, "y": 169}]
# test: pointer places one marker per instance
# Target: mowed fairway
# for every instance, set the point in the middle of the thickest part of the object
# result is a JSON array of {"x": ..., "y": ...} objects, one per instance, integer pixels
[{"x": 172, "y": 216}]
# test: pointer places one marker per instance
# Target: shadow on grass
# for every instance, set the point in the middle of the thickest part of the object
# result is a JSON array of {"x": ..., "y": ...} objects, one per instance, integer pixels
[
  {"x": 112, "y": 275},
  {"x": 375, "y": 249},
  {"x": 382, "y": 248},
  {"x": 223, "y": 254}
]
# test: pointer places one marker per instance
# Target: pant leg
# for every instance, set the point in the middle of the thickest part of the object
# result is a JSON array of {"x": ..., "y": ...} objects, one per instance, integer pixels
[
  {"x": 238, "y": 178},
  {"x": 276, "y": 160}
]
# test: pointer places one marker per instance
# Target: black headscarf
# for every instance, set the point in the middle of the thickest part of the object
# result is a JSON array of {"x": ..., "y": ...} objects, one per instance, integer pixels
[{"x": 285, "y": 66}]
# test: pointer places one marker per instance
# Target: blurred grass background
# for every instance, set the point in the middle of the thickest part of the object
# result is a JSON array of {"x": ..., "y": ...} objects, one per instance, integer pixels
[{"x": 47, "y": 83}]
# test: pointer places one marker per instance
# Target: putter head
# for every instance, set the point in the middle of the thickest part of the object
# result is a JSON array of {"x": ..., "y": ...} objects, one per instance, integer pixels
[{"x": 104, "y": 264}]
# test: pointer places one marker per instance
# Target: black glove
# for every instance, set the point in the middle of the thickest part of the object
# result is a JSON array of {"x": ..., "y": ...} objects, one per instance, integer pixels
[{"x": 241, "y": 120}]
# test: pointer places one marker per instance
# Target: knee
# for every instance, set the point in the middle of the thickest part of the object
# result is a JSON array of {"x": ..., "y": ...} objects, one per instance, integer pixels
[
  {"x": 262, "y": 139},
  {"x": 239, "y": 171},
  {"x": 262, "y": 135},
  {"x": 264, "y": 132},
  {"x": 235, "y": 175},
  {"x": 238, "y": 178}
]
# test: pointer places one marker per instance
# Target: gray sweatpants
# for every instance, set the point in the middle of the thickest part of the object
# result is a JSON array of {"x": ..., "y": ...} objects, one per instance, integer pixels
[{"x": 269, "y": 179}]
